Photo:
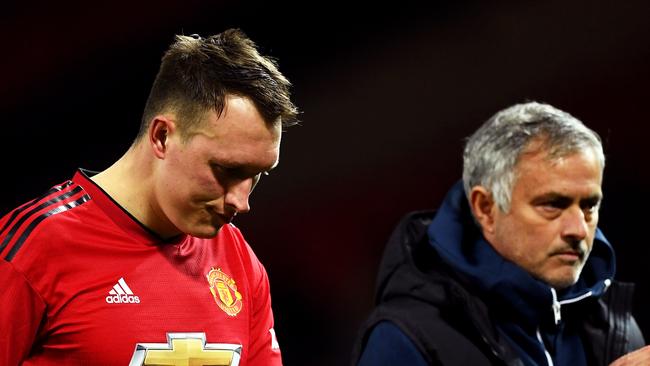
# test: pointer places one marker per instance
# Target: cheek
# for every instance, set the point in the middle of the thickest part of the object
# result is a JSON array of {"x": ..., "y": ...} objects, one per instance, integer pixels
[
  {"x": 592, "y": 232},
  {"x": 206, "y": 186},
  {"x": 175, "y": 183},
  {"x": 527, "y": 239},
  {"x": 190, "y": 182},
  {"x": 594, "y": 222},
  {"x": 508, "y": 240},
  {"x": 202, "y": 187}
]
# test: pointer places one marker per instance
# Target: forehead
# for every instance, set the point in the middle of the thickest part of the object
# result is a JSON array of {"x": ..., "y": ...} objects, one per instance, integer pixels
[
  {"x": 577, "y": 174},
  {"x": 239, "y": 135}
]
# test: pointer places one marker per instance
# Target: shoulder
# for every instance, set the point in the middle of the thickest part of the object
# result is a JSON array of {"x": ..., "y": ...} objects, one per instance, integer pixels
[
  {"x": 232, "y": 238},
  {"x": 45, "y": 219},
  {"x": 235, "y": 239},
  {"x": 618, "y": 303},
  {"x": 442, "y": 321},
  {"x": 388, "y": 345}
]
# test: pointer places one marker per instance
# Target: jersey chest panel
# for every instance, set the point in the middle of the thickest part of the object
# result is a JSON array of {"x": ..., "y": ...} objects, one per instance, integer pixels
[{"x": 109, "y": 297}]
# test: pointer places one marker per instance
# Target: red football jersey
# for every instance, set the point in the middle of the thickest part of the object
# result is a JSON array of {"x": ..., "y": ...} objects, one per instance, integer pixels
[{"x": 83, "y": 282}]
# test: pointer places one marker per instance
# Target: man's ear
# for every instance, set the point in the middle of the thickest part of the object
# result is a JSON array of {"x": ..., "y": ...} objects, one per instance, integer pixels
[
  {"x": 484, "y": 209},
  {"x": 160, "y": 129}
]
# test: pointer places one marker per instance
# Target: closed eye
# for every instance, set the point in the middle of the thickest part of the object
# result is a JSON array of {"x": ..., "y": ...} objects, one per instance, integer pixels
[
  {"x": 226, "y": 173},
  {"x": 559, "y": 203},
  {"x": 551, "y": 205}
]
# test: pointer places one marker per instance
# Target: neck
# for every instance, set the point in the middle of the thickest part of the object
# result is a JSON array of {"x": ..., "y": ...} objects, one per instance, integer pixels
[{"x": 129, "y": 182}]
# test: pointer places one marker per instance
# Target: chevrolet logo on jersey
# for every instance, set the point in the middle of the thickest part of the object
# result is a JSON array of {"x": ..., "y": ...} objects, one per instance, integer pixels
[{"x": 186, "y": 349}]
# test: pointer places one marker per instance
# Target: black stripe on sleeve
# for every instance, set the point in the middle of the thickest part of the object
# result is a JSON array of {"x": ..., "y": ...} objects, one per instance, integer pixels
[
  {"x": 31, "y": 212},
  {"x": 19, "y": 243},
  {"x": 32, "y": 203}
]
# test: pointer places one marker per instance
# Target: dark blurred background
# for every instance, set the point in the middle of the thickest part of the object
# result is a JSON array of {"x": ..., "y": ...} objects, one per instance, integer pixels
[{"x": 388, "y": 93}]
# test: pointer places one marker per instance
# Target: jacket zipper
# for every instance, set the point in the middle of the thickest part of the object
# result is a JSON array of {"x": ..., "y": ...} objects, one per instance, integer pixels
[
  {"x": 557, "y": 305},
  {"x": 557, "y": 314},
  {"x": 548, "y": 355}
]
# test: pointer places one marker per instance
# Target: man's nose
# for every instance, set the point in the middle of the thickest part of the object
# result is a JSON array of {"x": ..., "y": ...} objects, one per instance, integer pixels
[
  {"x": 237, "y": 195},
  {"x": 574, "y": 225}
]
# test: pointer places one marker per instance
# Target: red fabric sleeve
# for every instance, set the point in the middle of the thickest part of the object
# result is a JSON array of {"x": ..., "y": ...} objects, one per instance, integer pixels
[
  {"x": 264, "y": 348},
  {"x": 21, "y": 311}
]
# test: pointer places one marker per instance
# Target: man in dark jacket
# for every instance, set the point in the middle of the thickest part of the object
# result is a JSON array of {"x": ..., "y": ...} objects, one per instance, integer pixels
[{"x": 512, "y": 269}]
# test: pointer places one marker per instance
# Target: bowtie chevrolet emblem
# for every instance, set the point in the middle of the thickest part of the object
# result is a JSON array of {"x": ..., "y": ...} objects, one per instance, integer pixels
[
  {"x": 186, "y": 349},
  {"x": 224, "y": 291}
]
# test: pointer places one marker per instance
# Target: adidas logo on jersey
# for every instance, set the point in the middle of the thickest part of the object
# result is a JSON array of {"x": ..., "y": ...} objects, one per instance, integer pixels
[{"x": 121, "y": 294}]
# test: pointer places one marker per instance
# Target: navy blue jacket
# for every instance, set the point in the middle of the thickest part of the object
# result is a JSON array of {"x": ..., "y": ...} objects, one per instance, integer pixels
[{"x": 446, "y": 297}]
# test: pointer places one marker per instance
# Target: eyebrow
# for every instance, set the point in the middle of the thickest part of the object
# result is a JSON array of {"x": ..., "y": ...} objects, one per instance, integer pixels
[
  {"x": 591, "y": 200},
  {"x": 564, "y": 201},
  {"x": 243, "y": 169}
]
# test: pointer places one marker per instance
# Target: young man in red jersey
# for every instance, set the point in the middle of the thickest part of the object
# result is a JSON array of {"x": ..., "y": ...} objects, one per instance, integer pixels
[{"x": 140, "y": 264}]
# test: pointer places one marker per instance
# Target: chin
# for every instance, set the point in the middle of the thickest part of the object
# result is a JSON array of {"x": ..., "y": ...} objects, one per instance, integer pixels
[
  {"x": 563, "y": 282},
  {"x": 205, "y": 232}
]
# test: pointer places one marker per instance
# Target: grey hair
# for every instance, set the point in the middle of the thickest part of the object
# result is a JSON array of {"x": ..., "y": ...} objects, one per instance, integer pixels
[{"x": 492, "y": 152}]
